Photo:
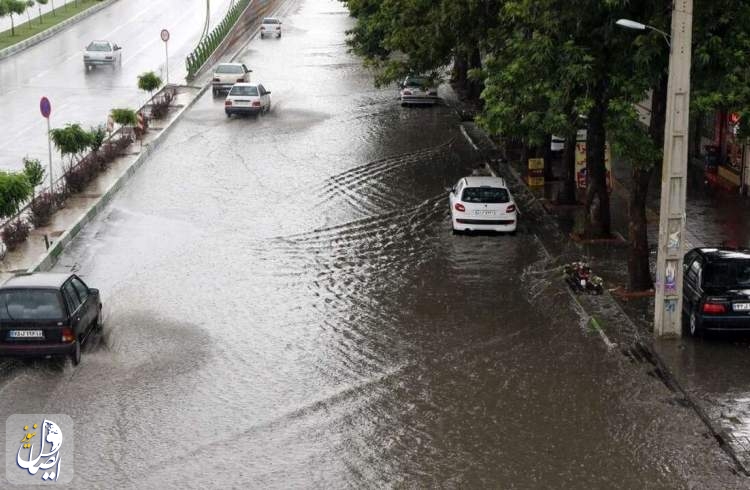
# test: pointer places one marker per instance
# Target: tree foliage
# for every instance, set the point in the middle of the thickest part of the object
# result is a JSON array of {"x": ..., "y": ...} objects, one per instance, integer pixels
[
  {"x": 34, "y": 172},
  {"x": 149, "y": 81},
  {"x": 14, "y": 191},
  {"x": 71, "y": 140}
]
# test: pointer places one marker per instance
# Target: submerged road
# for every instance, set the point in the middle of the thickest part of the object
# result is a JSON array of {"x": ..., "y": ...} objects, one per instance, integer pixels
[
  {"x": 286, "y": 307},
  {"x": 54, "y": 68}
]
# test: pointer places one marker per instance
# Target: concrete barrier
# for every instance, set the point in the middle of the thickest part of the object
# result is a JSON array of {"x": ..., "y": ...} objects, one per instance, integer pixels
[{"x": 46, "y": 34}]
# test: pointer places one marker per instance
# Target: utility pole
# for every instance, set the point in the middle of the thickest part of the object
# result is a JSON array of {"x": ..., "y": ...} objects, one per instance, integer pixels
[{"x": 669, "y": 261}]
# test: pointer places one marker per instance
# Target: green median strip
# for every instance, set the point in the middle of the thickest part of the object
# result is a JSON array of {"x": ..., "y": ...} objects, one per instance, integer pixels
[{"x": 28, "y": 29}]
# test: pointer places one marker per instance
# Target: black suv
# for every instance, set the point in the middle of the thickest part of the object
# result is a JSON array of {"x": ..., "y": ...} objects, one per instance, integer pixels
[
  {"x": 47, "y": 314},
  {"x": 716, "y": 295}
]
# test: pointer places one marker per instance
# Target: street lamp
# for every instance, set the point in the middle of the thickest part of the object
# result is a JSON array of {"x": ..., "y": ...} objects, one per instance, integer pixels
[
  {"x": 669, "y": 259},
  {"x": 631, "y": 24}
]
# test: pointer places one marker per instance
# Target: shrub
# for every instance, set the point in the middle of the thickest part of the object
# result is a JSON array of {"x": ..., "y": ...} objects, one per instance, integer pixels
[
  {"x": 148, "y": 82},
  {"x": 15, "y": 233},
  {"x": 60, "y": 196},
  {"x": 14, "y": 191},
  {"x": 42, "y": 208},
  {"x": 160, "y": 106},
  {"x": 96, "y": 137},
  {"x": 34, "y": 172}
]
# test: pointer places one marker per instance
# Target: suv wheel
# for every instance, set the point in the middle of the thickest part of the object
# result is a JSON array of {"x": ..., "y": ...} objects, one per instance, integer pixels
[
  {"x": 99, "y": 325},
  {"x": 694, "y": 324},
  {"x": 75, "y": 357}
]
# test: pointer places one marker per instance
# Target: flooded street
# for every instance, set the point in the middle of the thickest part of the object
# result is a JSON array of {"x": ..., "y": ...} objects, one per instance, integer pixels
[{"x": 286, "y": 307}]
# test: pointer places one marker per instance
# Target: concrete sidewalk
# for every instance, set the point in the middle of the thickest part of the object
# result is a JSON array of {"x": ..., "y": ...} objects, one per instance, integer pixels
[{"x": 80, "y": 208}]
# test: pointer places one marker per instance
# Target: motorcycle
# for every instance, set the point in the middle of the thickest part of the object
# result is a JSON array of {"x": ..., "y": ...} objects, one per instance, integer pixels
[{"x": 581, "y": 279}]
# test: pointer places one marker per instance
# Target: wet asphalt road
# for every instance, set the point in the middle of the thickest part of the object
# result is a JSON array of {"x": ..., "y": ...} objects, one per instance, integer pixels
[
  {"x": 285, "y": 307},
  {"x": 54, "y": 68}
]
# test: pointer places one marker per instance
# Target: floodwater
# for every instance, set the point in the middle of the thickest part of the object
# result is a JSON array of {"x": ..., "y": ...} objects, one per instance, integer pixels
[{"x": 286, "y": 307}]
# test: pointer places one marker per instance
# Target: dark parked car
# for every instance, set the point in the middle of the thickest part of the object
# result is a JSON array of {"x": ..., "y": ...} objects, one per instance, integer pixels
[
  {"x": 716, "y": 295},
  {"x": 47, "y": 314}
]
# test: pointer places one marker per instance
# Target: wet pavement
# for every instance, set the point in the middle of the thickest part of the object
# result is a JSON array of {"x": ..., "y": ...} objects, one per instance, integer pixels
[
  {"x": 286, "y": 307},
  {"x": 54, "y": 68}
]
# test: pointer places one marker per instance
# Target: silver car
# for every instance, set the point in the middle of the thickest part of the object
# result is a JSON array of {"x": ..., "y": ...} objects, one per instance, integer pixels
[{"x": 418, "y": 90}]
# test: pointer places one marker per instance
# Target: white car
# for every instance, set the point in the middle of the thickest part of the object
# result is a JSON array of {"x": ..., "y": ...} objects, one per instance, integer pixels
[
  {"x": 227, "y": 74},
  {"x": 247, "y": 98},
  {"x": 270, "y": 26},
  {"x": 483, "y": 204},
  {"x": 418, "y": 90},
  {"x": 102, "y": 53}
]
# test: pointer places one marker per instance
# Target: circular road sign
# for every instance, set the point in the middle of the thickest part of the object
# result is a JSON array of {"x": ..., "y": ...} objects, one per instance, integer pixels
[
  {"x": 164, "y": 35},
  {"x": 45, "y": 107}
]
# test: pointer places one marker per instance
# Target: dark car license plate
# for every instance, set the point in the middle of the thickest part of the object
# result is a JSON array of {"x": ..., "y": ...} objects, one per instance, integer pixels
[{"x": 26, "y": 334}]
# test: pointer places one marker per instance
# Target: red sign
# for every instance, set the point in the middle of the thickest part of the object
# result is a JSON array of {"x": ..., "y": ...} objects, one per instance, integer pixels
[
  {"x": 45, "y": 107},
  {"x": 164, "y": 35}
]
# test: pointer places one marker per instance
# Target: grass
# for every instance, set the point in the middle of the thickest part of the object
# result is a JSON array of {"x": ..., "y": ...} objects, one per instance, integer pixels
[{"x": 25, "y": 30}]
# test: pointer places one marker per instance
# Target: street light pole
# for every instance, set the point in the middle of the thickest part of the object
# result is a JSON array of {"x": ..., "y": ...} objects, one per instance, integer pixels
[{"x": 669, "y": 260}]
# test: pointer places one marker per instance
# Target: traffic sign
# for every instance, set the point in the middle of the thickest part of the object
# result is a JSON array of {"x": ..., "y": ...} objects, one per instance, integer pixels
[
  {"x": 110, "y": 123},
  {"x": 164, "y": 35},
  {"x": 45, "y": 107}
]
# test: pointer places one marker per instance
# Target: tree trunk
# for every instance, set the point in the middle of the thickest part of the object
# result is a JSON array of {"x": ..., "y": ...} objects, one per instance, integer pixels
[
  {"x": 40, "y": 14},
  {"x": 639, "y": 272},
  {"x": 597, "y": 221},
  {"x": 474, "y": 86},
  {"x": 567, "y": 194},
  {"x": 460, "y": 69},
  {"x": 12, "y": 26}
]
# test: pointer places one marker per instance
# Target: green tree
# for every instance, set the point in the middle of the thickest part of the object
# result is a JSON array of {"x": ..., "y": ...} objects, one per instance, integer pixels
[
  {"x": 97, "y": 135},
  {"x": 14, "y": 191},
  {"x": 71, "y": 141},
  {"x": 29, "y": 5},
  {"x": 148, "y": 82},
  {"x": 39, "y": 6},
  {"x": 11, "y": 8},
  {"x": 34, "y": 172},
  {"x": 124, "y": 117}
]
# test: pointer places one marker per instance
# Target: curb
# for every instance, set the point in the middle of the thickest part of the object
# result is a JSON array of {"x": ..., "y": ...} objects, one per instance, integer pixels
[
  {"x": 47, "y": 33},
  {"x": 49, "y": 258}
]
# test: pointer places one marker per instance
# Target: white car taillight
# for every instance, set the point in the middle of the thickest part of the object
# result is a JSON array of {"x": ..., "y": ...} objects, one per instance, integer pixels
[
  {"x": 511, "y": 209},
  {"x": 227, "y": 102},
  {"x": 459, "y": 207}
]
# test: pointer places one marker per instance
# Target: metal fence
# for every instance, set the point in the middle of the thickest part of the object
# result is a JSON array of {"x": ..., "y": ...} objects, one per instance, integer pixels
[{"x": 209, "y": 43}]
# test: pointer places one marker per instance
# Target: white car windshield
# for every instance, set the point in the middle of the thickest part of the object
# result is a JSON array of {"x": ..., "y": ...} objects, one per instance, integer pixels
[
  {"x": 243, "y": 90},
  {"x": 485, "y": 195},
  {"x": 98, "y": 47},
  {"x": 230, "y": 69}
]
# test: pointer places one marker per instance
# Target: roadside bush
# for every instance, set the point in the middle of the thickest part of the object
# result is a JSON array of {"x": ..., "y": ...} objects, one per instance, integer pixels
[
  {"x": 60, "y": 196},
  {"x": 34, "y": 172},
  {"x": 96, "y": 137},
  {"x": 15, "y": 233},
  {"x": 76, "y": 178},
  {"x": 160, "y": 106},
  {"x": 42, "y": 208},
  {"x": 15, "y": 190}
]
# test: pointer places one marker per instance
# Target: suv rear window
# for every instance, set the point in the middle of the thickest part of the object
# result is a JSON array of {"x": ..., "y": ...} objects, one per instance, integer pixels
[
  {"x": 734, "y": 274},
  {"x": 30, "y": 304},
  {"x": 485, "y": 195},
  {"x": 229, "y": 69},
  {"x": 243, "y": 91},
  {"x": 270, "y": 21}
]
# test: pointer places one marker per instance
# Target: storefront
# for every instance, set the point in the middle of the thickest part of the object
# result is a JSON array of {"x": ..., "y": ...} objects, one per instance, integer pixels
[{"x": 730, "y": 151}]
